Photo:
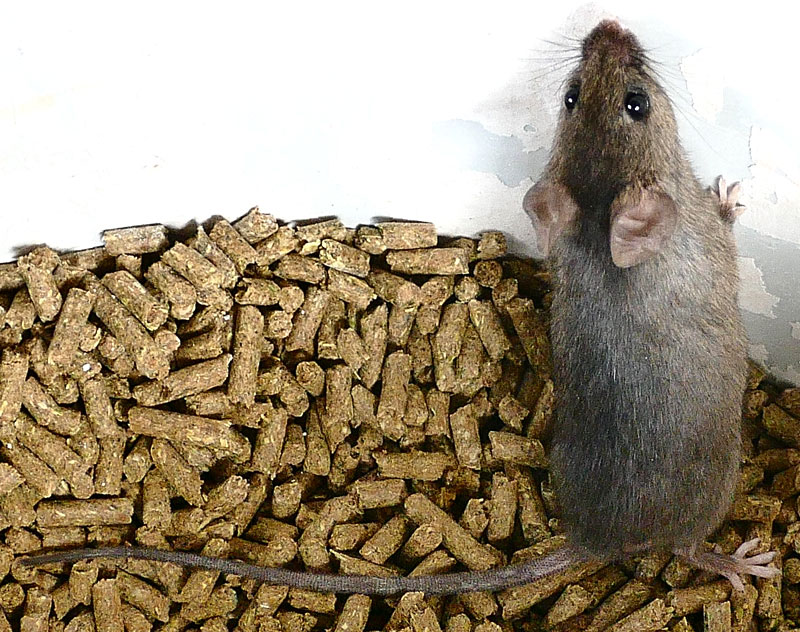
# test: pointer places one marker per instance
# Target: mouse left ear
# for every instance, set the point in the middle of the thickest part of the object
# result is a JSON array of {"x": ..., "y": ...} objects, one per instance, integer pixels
[{"x": 642, "y": 222}]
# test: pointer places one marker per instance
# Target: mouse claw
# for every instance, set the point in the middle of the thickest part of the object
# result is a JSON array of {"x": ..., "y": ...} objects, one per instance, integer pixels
[{"x": 729, "y": 207}]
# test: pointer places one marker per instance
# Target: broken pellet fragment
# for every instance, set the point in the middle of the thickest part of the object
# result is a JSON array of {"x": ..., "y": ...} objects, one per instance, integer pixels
[{"x": 350, "y": 289}]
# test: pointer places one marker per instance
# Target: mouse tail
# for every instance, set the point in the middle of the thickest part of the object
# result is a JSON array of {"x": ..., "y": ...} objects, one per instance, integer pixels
[{"x": 450, "y": 583}]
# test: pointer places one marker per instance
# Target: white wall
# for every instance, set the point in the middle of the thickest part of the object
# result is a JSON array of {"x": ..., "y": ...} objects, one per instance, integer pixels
[{"x": 439, "y": 110}]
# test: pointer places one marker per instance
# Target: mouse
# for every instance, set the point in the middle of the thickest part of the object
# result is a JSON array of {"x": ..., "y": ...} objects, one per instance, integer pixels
[{"x": 648, "y": 348}]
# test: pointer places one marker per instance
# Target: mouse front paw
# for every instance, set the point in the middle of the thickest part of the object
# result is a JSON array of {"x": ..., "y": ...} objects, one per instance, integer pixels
[{"x": 729, "y": 207}]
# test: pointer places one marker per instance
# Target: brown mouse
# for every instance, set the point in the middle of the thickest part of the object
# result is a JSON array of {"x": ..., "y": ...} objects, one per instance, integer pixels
[{"x": 648, "y": 347}]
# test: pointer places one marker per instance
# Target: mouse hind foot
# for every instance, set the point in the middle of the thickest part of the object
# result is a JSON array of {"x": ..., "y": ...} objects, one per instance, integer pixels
[{"x": 733, "y": 566}]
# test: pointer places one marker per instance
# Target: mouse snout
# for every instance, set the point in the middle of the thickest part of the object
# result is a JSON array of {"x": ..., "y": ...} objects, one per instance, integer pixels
[{"x": 610, "y": 39}]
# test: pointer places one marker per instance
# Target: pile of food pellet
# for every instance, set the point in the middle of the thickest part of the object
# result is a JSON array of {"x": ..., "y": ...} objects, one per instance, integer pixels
[{"x": 368, "y": 401}]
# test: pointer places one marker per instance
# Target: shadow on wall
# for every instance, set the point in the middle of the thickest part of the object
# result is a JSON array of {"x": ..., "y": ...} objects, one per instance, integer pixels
[{"x": 774, "y": 330}]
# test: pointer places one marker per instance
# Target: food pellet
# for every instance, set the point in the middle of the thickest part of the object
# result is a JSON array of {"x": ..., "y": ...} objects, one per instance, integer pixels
[{"x": 356, "y": 401}]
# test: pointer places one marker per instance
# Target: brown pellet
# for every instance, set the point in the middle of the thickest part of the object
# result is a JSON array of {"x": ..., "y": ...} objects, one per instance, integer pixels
[
  {"x": 355, "y": 614},
  {"x": 191, "y": 380},
  {"x": 392, "y": 403},
  {"x": 136, "y": 240},
  {"x": 69, "y": 327},
  {"x": 314, "y": 232},
  {"x": 258, "y": 292},
  {"x": 386, "y": 541},
  {"x": 344, "y": 258},
  {"x": 466, "y": 440},
  {"x": 429, "y": 261},
  {"x": 296, "y": 267},
  {"x": 407, "y": 235},
  {"x": 84, "y": 513},
  {"x": 150, "y": 360},
  {"x": 203, "y": 244},
  {"x": 425, "y": 466},
  {"x": 279, "y": 244},
  {"x": 249, "y": 328},
  {"x": 256, "y": 226},
  {"x": 338, "y": 405},
  {"x": 36, "y": 269},
  {"x": 503, "y": 508},
  {"x": 269, "y": 440},
  {"x": 350, "y": 289},
  {"x": 54, "y": 451},
  {"x": 458, "y": 541},
  {"x": 202, "y": 431},
  {"x": 374, "y": 327},
  {"x": 193, "y": 266},
  {"x": 233, "y": 244},
  {"x": 13, "y": 370},
  {"x": 307, "y": 320},
  {"x": 532, "y": 331},
  {"x": 148, "y": 309},
  {"x": 180, "y": 294},
  {"x": 518, "y": 449}
]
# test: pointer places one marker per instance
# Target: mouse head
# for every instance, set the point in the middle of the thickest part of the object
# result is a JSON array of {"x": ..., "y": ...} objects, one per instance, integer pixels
[{"x": 615, "y": 143}]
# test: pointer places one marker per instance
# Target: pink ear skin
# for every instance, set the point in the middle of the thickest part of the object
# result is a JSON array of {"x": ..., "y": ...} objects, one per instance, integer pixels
[
  {"x": 551, "y": 209},
  {"x": 642, "y": 222}
]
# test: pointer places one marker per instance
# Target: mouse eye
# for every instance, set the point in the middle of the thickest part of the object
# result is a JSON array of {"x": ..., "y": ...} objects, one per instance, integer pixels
[
  {"x": 637, "y": 105},
  {"x": 571, "y": 98}
]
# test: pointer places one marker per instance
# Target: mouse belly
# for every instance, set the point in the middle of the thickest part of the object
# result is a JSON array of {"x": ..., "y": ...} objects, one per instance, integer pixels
[{"x": 642, "y": 458}]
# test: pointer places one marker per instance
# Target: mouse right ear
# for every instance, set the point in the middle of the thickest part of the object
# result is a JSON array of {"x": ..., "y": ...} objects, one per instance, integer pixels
[{"x": 551, "y": 208}]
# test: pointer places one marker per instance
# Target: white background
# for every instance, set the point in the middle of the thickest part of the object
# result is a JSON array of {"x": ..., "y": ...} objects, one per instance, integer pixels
[{"x": 170, "y": 112}]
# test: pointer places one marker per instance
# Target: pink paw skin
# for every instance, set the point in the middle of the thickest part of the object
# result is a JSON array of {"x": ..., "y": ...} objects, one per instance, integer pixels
[
  {"x": 732, "y": 567},
  {"x": 729, "y": 207}
]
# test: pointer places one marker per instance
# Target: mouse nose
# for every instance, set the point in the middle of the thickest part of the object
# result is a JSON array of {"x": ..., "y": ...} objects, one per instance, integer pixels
[
  {"x": 610, "y": 38},
  {"x": 610, "y": 27}
]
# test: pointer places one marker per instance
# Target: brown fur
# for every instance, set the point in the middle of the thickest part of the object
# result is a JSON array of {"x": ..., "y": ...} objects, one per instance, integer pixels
[{"x": 649, "y": 359}]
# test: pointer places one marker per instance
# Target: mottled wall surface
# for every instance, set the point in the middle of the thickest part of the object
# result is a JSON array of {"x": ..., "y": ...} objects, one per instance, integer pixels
[{"x": 440, "y": 111}]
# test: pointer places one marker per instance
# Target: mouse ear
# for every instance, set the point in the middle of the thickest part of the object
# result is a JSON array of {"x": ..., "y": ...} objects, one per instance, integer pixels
[
  {"x": 642, "y": 222},
  {"x": 551, "y": 209}
]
